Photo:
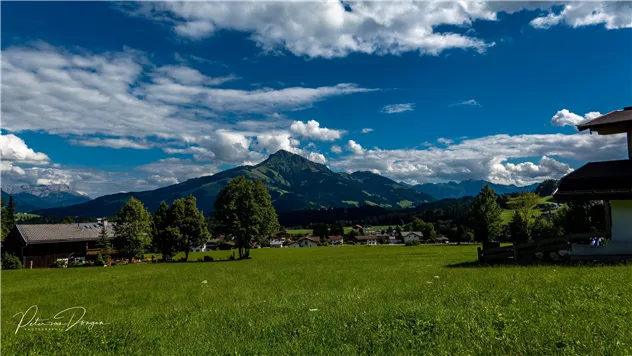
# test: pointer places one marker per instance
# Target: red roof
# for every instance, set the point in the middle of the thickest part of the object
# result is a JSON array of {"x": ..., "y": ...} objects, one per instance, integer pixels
[{"x": 337, "y": 237}]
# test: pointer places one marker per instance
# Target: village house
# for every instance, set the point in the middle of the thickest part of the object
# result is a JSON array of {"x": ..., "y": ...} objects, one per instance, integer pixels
[
  {"x": 610, "y": 182},
  {"x": 40, "y": 245},
  {"x": 336, "y": 240},
  {"x": 367, "y": 240},
  {"x": 276, "y": 243},
  {"x": 412, "y": 236},
  {"x": 307, "y": 241}
]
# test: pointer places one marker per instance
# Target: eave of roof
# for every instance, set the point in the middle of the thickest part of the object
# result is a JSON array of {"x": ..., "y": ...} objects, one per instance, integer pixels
[
  {"x": 617, "y": 121},
  {"x": 610, "y": 180}
]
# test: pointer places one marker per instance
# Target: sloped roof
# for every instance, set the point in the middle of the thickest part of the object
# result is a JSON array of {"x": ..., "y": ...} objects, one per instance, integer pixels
[
  {"x": 610, "y": 180},
  {"x": 418, "y": 233},
  {"x": 336, "y": 237},
  {"x": 52, "y": 233},
  {"x": 614, "y": 122}
]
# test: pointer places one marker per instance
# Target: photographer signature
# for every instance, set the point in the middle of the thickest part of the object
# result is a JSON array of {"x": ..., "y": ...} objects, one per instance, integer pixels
[{"x": 64, "y": 320}]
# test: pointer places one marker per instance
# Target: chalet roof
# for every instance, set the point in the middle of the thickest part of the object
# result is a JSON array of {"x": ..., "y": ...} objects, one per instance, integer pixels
[
  {"x": 337, "y": 237},
  {"x": 610, "y": 180},
  {"x": 617, "y": 121},
  {"x": 418, "y": 233},
  {"x": 311, "y": 238},
  {"x": 54, "y": 233}
]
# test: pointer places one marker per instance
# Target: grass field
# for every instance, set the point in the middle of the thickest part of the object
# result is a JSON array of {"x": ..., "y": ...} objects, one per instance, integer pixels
[
  {"x": 328, "y": 300},
  {"x": 22, "y": 216}
]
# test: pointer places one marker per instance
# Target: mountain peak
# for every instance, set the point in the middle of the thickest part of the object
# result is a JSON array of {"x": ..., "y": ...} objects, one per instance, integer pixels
[{"x": 282, "y": 153}]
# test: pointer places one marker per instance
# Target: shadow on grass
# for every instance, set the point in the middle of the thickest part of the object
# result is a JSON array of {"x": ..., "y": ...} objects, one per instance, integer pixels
[{"x": 566, "y": 263}]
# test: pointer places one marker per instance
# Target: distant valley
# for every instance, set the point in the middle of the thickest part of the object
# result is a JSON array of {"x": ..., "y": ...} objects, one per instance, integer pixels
[{"x": 468, "y": 188}]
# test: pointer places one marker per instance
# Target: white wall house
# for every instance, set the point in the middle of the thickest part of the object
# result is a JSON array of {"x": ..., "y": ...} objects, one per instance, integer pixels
[
  {"x": 307, "y": 242},
  {"x": 336, "y": 240},
  {"x": 304, "y": 242},
  {"x": 367, "y": 240},
  {"x": 412, "y": 236},
  {"x": 276, "y": 243}
]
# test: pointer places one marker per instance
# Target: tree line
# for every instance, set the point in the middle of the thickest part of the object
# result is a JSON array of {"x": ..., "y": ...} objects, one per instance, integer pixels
[{"x": 243, "y": 213}]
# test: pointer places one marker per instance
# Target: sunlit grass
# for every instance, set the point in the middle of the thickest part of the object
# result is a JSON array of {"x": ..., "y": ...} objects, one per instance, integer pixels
[{"x": 327, "y": 300}]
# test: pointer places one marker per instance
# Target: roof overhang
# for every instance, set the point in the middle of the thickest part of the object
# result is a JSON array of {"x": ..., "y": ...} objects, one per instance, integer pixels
[
  {"x": 610, "y": 180},
  {"x": 615, "y": 122}
]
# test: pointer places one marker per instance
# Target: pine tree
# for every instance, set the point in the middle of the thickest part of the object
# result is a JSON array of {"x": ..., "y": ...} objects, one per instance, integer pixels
[
  {"x": 103, "y": 243},
  {"x": 519, "y": 227},
  {"x": 10, "y": 213},
  {"x": 485, "y": 216}
]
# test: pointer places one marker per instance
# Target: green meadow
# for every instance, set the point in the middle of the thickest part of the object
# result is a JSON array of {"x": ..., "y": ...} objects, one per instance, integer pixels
[{"x": 382, "y": 300}]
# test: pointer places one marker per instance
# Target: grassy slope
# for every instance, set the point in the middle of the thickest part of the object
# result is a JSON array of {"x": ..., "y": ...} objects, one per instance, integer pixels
[
  {"x": 506, "y": 214},
  {"x": 369, "y": 300}
]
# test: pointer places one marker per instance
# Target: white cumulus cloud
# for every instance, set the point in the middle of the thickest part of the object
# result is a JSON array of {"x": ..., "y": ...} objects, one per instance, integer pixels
[
  {"x": 354, "y": 147},
  {"x": 312, "y": 130}
]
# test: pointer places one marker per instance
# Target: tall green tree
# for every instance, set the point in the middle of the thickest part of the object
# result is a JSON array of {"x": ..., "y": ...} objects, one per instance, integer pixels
[
  {"x": 485, "y": 216},
  {"x": 103, "y": 243},
  {"x": 429, "y": 232},
  {"x": 3, "y": 219},
  {"x": 11, "y": 213},
  {"x": 417, "y": 224},
  {"x": 165, "y": 236},
  {"x": 337, "y": 229},
  {"x": 190, "y": 223},
  {"x": 132, "y": 229},
  {"x": 320, "y": 230},
  {"x": 519, "y": 227},
  {"x": 244, "y": 211}
]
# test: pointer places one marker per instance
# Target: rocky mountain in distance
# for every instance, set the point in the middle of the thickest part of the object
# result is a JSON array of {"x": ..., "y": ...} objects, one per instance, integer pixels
[
  {"x": 468, "y": 188},
  {"x": 294, "y": 183},
  {"x": 28, "y": 198}
]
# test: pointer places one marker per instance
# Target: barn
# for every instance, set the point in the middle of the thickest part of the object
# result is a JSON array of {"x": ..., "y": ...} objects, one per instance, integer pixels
[{"x": 40, "y": 245}]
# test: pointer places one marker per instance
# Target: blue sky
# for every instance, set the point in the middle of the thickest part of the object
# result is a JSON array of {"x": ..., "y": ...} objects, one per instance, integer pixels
[{"x": 121, "y": 97}]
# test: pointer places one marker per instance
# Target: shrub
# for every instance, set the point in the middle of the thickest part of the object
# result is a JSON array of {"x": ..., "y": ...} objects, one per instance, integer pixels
[
  {"x": 325, "y": 243},
  {"x": 10, "y": 261},
  {"x": 200, "y": 259},
  {"x": 208, "y": 259},
  {"x": 60, "y": 264},
  {"x": 76, "y": 263},
  {"x": 412, "y": 243},
  {"x": 99, "y": 261}
]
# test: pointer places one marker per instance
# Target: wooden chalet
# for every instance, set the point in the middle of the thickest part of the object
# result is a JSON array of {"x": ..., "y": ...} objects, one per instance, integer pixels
[
  {"x": 609, "y": 181},
  {"x": 40, "y": 245}
]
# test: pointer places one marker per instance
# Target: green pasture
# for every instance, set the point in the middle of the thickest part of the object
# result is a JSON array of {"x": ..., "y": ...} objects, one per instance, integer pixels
[{"x": 351, "y": 300}]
